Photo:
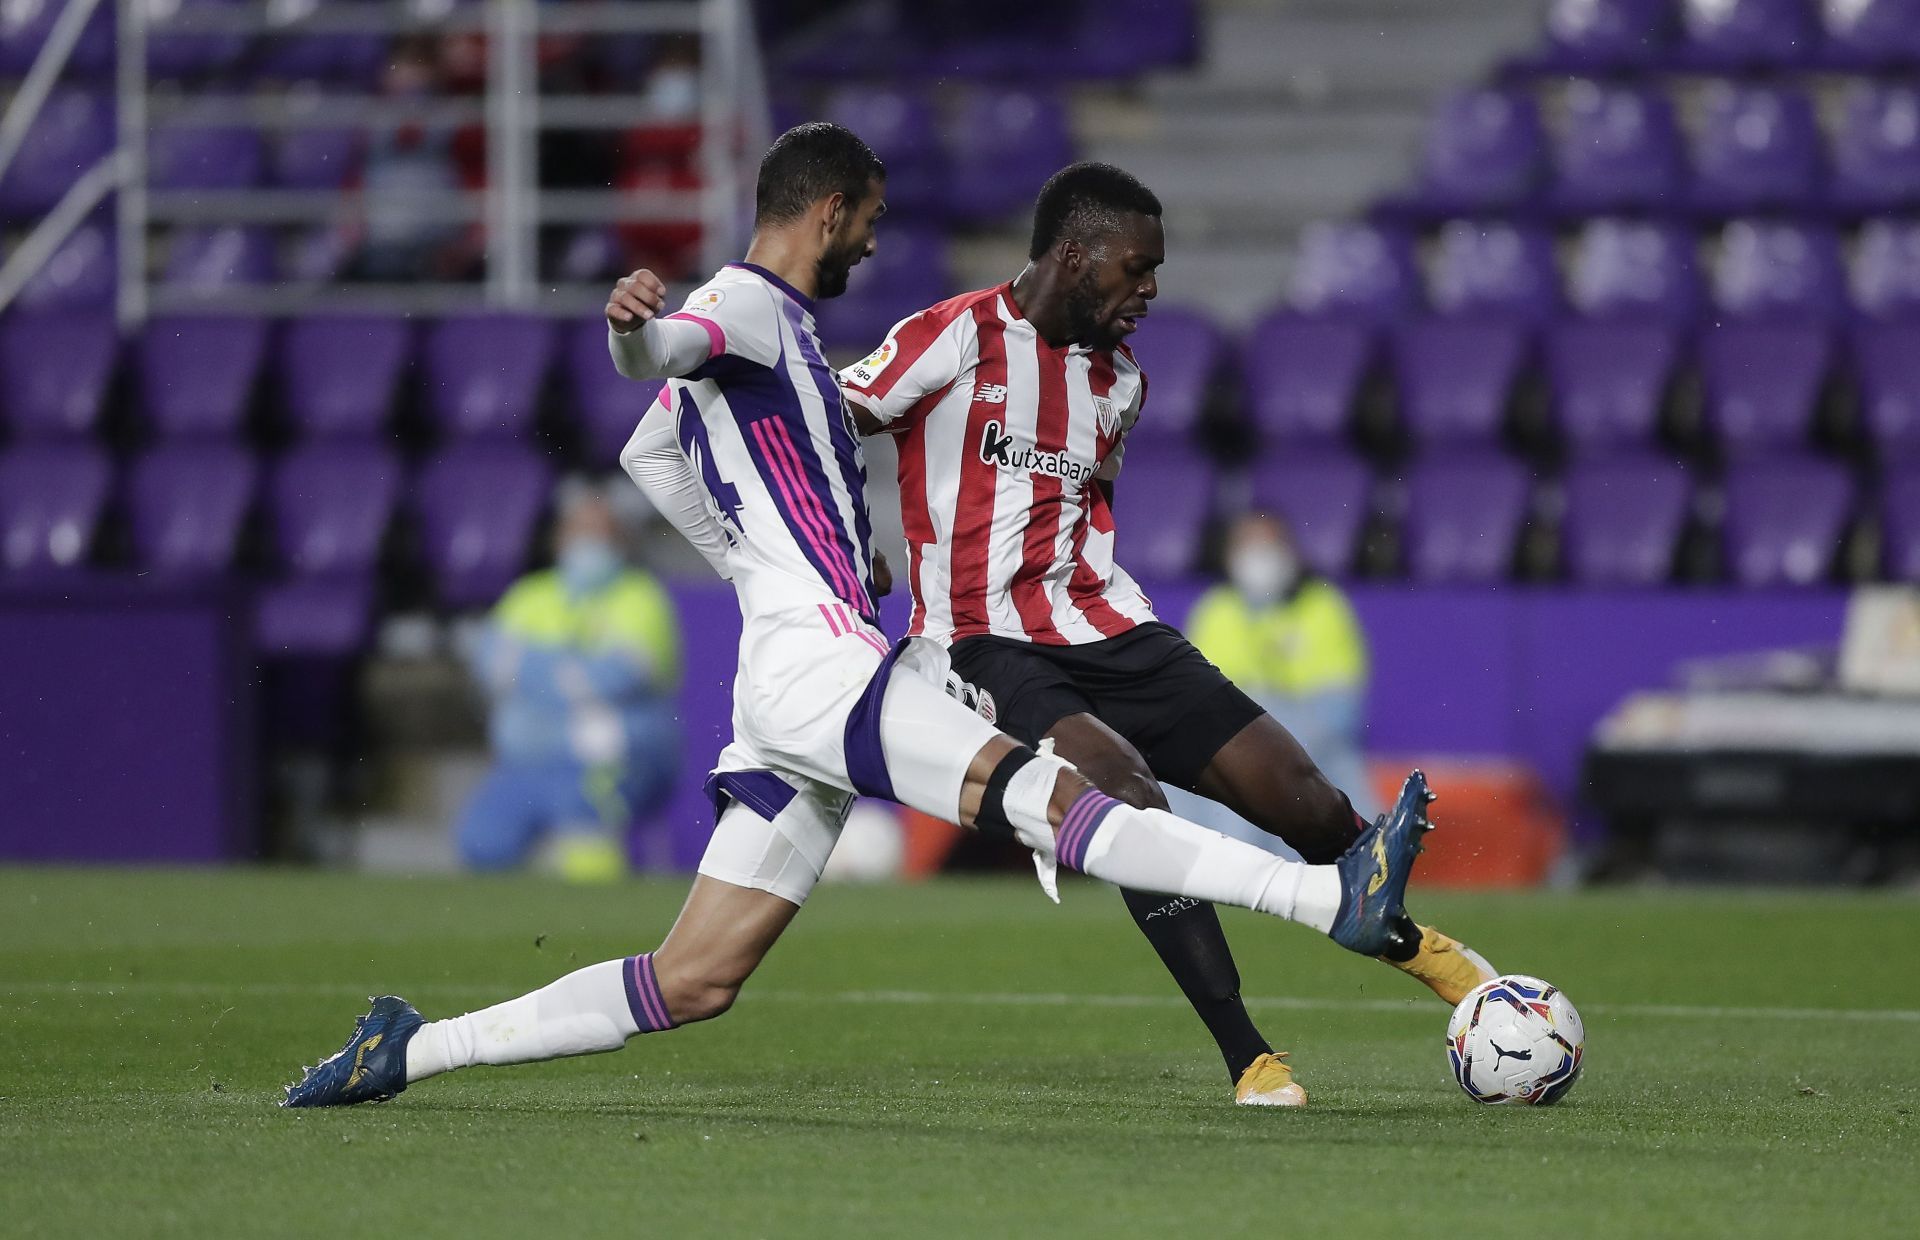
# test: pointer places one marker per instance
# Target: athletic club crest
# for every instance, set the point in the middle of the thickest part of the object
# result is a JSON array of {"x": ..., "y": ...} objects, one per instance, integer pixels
[{"x": 1109, "y": 420}]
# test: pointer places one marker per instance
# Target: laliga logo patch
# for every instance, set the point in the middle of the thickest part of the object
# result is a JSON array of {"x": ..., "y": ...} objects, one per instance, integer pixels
[
  {"x": 868, "y": 368},
  {"x": 707, "y": 302}
]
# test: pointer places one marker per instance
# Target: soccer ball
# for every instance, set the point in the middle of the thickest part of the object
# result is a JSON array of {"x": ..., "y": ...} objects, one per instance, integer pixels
[{"x": 1516, "y": 1039}]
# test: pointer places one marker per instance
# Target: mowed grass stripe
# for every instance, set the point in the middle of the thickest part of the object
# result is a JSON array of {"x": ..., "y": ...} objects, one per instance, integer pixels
[{"x": 974, "y": 999}]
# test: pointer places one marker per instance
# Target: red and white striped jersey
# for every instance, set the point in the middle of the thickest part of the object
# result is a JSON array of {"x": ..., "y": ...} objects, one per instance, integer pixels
[{"x": 1001, "y": 438}]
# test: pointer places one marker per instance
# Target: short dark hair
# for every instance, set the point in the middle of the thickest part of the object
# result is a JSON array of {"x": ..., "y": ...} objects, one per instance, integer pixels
[
  {"x": 1085, "y": 200},
  {"x": 807, "y": 163}
]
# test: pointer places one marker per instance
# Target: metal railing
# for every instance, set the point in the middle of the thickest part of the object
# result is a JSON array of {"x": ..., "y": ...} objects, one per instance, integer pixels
[{"x": 513, "y": 207}]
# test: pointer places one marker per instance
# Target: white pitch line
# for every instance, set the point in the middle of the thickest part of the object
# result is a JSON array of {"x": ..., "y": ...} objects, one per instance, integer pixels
[{"x": 928, "y": 998}]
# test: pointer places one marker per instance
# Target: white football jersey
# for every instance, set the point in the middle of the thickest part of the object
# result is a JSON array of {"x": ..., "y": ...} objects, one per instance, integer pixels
[{"x": 768, "y": 433}]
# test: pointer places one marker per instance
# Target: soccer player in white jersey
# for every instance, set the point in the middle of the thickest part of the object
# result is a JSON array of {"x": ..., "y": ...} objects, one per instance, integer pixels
[
  {"x": 752, "y": 454},
  {"x": 1012, "y": 407}
]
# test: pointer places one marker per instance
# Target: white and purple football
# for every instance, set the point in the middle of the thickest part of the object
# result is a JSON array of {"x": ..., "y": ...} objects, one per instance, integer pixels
[{"x": 1516, "y": 1039}]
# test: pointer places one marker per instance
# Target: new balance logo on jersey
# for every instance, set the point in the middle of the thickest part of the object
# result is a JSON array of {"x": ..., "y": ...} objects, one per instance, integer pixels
[
  {"x": 991, "y": 394},
  {"x": 996, "y": 448}
]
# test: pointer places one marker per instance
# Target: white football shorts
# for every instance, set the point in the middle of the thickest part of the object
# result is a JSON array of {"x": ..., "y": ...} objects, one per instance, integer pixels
[{"x": 823, "y": 709}]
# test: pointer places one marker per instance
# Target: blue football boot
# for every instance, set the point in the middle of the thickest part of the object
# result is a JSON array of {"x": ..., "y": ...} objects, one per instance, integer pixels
[
  {"x": 371, "y": 1067},
  {"x": 1373, "y": 876}
]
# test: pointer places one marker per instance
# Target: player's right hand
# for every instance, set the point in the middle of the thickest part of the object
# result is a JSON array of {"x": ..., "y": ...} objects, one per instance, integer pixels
[{"x": 635, "y": 300}]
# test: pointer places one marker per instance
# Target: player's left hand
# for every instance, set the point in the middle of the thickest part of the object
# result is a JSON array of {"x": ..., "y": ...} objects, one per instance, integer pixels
[{"x": 882, "y": 575}]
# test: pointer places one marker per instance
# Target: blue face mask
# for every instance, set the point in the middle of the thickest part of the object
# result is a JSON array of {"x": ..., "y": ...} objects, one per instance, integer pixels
[{"x": 588, "y": 565}]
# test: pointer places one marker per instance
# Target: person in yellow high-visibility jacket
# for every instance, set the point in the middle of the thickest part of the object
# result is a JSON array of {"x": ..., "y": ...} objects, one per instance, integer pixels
[
  {"x": 1288, "y": 637},
  {"x": 581, "y": 663}
]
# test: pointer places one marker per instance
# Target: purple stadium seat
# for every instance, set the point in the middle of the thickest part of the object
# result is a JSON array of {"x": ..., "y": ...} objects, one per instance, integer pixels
[
  {"x": 1347, "y": 269},
  {"x": 1464, "y": 515},
  {"x": 317, "y": 255},
  {"x": 477, "y": 506},
  {"x": 1743, "y": 34},
  {"x": 1181, "y": 351},
  {"x": 316, "y": 158},
  {"x": 1785, "y": 519},
  {"x": 54, "y": 371},
  {"x": 1871, "y": 33},
  {"x": 1757, "y": 148},
  {"x": 330, "y": 505},
  {"x": 1455, "y": 377},
  {"x": 1609, "y": 378},
  {"x": 187, "y": 503},
  {"x": 1900, "y": 523},
  {"x": 1606, "y": 34},
  {"x": 72, "y": 133},
  {"x": 197, "y": 375},
  {"x": 345, "y": 57},
  {"x": 207, "y": 260},
  {"x": 308, "y": 618},
  {"x": 593, "y": 255},
  {"x": 81, "y": 275},
  {"x": 177, "y": 54},
  {"x": 1007, "y": 143},
  {"x": 339, "y": 376},
  {"x": 1886, "y": 363},
  {"x": 901, "y": 129},
  {"x": 1886, "y": 269},
  {"x": 1162, "y": 504},
  {"x": 1761, "y": 381},
  {"x": 1630, "y": 269},
  {"x": 51, "y": 498},
  {"x": 1624, "y": 518},
  {"x": 1876, "y": 154},
  {"x": 25, "y": 25},
  {"x": 1299, "y": 376},
  {"x": 484, "y": 373},
  {"x": 1618, "y": 148},
  {"x": 1494, "y": 270},
  {"x": 1484, "y": 149},
  {"x": 179, "y": 157},
  {"x": 1325, "y": 494},
  {"x": 1778, "y": 270},
  {"x": 906, "y": 274},
  {"x": 1118, "y": 39},
  {"x": 607, "y": 404}
]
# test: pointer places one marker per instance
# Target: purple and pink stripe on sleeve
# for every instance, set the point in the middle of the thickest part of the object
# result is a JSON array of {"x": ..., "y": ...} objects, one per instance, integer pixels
[
  {"x": 716, "y": 337},
  {"x": 1082, "y": 819},
  {"x": 644, "y": 1000}
]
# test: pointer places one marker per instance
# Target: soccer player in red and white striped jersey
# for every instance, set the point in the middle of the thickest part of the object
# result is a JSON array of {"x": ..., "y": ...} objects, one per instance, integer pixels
[{"x": 1011, "y": 406}]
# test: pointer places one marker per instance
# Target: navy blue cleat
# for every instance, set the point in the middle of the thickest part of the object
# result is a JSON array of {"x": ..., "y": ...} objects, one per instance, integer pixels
[
  {"x": 371, "y": 1067},
  {"x": 1373, "y": 876}
]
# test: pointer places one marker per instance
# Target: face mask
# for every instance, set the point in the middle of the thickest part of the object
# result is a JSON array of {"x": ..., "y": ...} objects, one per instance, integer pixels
[
  {"x": 588, "y": 565},
  {"x": 1262, "y": 574}
]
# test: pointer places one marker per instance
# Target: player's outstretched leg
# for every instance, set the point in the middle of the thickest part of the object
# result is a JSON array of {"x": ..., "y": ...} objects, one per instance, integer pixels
[
  {"x": 1051, "y": 808},
  {"x": 721, "y": 935},
  {"x": 1264, "y": 775}
]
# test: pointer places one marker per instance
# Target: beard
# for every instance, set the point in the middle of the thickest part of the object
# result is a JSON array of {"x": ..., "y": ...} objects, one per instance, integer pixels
[
  {"x": 831, "y": 271},
  {"x": 1083, "y": 315}
]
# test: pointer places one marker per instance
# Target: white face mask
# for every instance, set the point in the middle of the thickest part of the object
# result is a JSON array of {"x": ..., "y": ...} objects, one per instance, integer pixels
[
  {"x": 588, "y": 564},
  {"x": 1263, "y": 573}
]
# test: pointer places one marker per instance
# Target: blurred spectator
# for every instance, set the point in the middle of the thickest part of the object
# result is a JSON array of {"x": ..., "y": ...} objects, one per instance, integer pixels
[
  {"x": 1289, "y": 638},
  {"x": 410, "y": 176},
  {"x": 581, "y": 662}
]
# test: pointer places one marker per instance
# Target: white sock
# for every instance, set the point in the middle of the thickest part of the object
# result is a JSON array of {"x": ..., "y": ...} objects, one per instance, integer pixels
[
  {"x": 586, "y": 1011},
  {"x": 1151, "y": 850}
]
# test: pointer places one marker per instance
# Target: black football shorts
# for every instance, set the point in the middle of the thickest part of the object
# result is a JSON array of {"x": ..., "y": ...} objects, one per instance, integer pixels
[{"x": 1149, "y": 684}]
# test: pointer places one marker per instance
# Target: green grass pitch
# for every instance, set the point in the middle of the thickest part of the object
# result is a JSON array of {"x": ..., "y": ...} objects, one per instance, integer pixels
[{"x": 960, "y": 1058}]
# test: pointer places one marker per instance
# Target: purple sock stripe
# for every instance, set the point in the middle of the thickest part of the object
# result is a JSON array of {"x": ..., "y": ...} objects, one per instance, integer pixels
[
  {"x": 643, "y": 996},
  {"x": 1082, "y": 819}
]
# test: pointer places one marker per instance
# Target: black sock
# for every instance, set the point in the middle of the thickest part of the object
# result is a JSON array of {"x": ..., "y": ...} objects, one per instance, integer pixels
[{"x": 1191, "y": 944}]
